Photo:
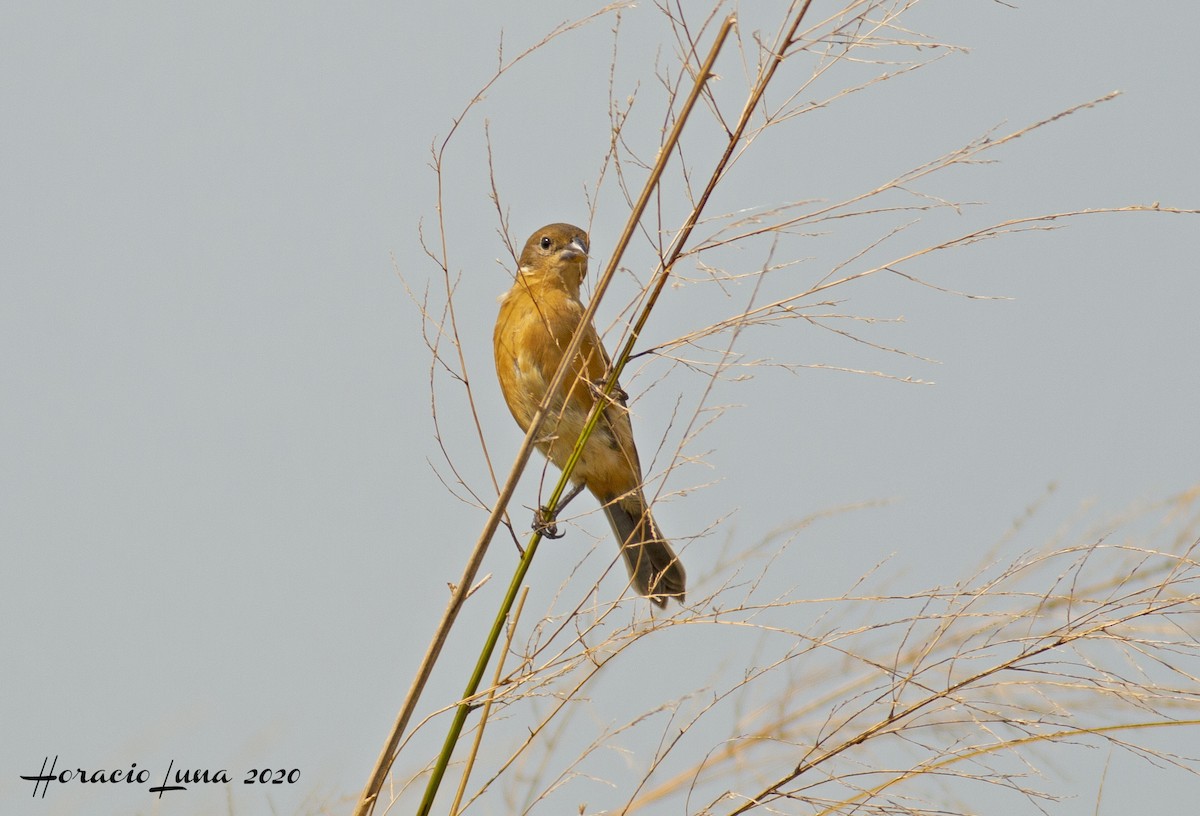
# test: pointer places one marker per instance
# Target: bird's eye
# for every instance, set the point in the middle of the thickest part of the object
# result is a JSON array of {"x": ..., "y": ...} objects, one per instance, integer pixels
[{"x": 546, "y": 242}]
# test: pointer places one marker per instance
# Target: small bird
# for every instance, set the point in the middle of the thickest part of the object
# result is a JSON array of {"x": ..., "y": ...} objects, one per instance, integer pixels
[{"x": 537, "y": 319}]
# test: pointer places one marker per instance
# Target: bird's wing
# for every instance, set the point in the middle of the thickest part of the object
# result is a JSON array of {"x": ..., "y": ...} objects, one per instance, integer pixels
[{"x": 592, "y": 368}]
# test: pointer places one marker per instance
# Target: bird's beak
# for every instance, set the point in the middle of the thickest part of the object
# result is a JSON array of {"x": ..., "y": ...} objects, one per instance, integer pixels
[{"x": 576, "y": 249}]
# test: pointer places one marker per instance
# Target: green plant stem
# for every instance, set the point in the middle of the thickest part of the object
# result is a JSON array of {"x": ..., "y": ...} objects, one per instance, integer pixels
[
  {"x": 464, "y": 707},
  {"x": 487, "y": 707}
]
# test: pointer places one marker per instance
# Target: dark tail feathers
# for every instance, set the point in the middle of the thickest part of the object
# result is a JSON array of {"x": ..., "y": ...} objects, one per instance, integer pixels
[{"x": 653, "y": 566}]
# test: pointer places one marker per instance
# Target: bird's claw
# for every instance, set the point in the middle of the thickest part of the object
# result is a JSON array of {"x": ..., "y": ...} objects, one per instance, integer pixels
[
  {"x": 544, "y": 525},
  {"x": 619, "y": 395}
]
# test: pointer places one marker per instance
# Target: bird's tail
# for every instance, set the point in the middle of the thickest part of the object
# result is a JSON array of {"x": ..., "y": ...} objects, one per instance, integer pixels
[{"x": 653, "y": 566}]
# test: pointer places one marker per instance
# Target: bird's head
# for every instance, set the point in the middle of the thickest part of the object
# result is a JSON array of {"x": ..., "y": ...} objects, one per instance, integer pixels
[{"x": 557, "y": 249}]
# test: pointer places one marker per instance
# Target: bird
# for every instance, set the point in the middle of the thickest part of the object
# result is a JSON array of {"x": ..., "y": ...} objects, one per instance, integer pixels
[{"x": 537, "y": 318}]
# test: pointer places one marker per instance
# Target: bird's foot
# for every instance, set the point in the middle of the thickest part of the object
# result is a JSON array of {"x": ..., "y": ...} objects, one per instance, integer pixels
[
  {"x": 619, "y": 395},
  {"x": 543, "y": 524}
]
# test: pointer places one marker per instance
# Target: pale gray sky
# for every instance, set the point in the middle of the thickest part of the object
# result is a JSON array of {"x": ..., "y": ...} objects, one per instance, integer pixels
[{"x": 218, "y": 504}]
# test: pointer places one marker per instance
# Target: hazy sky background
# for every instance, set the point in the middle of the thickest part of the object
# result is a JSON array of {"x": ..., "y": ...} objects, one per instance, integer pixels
[{"x": 224, "y": 542}]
